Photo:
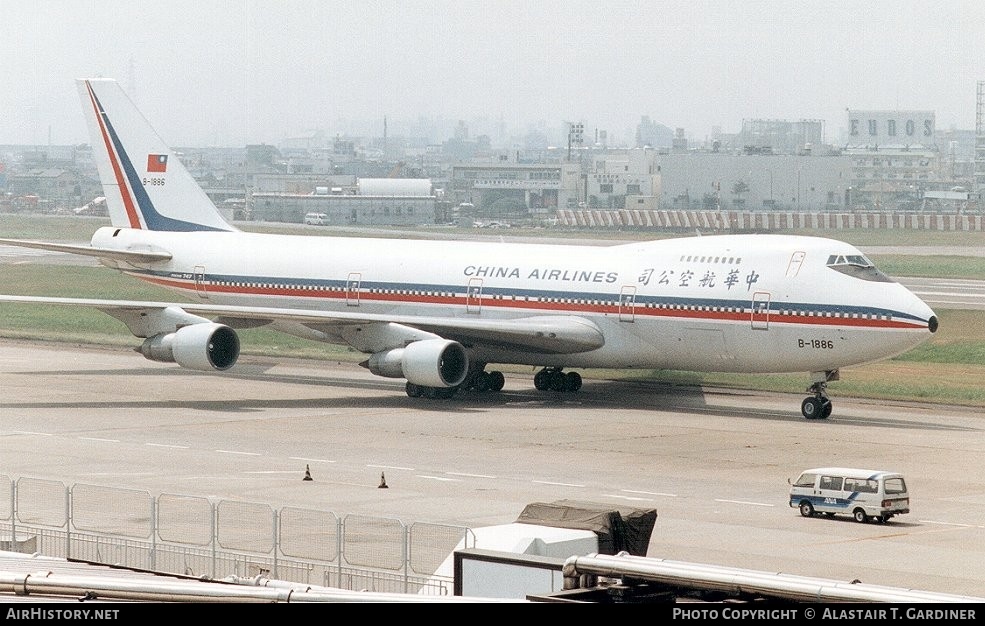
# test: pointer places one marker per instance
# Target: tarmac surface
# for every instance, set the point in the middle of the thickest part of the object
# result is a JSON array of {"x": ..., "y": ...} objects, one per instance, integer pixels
[{"x": 714, "y": 463}]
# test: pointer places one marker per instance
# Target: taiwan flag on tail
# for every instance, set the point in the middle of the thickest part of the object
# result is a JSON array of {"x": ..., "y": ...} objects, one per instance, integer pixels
[{"x": 157, "y": 163}]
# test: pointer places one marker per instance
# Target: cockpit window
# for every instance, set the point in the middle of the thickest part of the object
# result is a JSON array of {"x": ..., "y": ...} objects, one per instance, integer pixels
[
  {"x": 858, "y": 266},
  {"x": 849, "y": 259}
]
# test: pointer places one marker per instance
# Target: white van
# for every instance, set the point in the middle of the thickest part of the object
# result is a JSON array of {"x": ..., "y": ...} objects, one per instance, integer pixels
[
  {"x": 316, "y": 219},
  {"x": 863, "y": 494}
]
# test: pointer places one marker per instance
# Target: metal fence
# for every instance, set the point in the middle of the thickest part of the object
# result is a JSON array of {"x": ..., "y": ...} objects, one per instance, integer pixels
[
  {"x": 732, "y": 221},
  {"x": 201, "y": 537}
]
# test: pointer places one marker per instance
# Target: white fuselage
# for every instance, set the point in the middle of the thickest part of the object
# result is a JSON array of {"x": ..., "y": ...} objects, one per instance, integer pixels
[{"x": 730, "y": 303}]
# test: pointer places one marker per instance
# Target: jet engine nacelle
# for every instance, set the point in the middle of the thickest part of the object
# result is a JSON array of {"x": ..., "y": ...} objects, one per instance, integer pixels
[
  {"x": 429, "y": 362},
  {"x": 205, "y": 347}
]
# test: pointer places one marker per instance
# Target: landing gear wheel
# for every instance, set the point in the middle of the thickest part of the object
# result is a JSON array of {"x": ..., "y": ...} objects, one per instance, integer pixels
[
  {"x": 812, "y": 408},
  {"x": 496, "y": 381},
  {"x": 483, "y": 382},
  {"x": 553, "y": 379},
  {"x": 443, "y": 393},
  {"x": 860, "y": 516},
  {"x": 556, "y": 381},
  {"x": 816, "y": 408},
  {"x": 572, "y": 381},
  {"x": 807, "y": 509},
  {"x": 414, "y": 391}
]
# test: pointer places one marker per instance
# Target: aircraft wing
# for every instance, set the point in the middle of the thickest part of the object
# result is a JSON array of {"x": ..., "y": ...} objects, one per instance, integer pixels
[
  {"x": 133, "y": 255},
  {"x": 546, "y": 334}
]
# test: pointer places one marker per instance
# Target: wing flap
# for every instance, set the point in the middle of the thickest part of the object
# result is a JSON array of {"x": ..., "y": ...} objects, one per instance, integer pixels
[{"x": 545, "y": 334}]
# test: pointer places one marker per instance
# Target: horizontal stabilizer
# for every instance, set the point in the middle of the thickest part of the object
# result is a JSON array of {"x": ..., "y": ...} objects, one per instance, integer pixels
[{"x": 131, "y": 256}]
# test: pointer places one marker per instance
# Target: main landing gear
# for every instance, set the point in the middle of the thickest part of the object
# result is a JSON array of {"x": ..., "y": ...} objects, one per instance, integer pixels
[
  {"x": 423, "y": 391},
  {"x": 818, "y": 406},
  {"x": 477, "y": 380},
  {"x": 553, "y": 379},
  {"x": 485, "y": 381}
]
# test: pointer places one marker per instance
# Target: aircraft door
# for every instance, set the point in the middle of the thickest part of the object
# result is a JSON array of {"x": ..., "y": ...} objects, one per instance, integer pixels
[
  {"x": 796, "y": 260},
  {"x": 352, "y": 289},
  {"x": 473, "y": 296},
  {"x": 200, "y": 287},
  {"x": 761, "y": 310},
  {"x": 627, "y": 304}
]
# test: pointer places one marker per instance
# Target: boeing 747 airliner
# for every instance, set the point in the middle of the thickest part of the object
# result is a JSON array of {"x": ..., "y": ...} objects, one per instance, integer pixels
[{"x": 438, "y": 313}]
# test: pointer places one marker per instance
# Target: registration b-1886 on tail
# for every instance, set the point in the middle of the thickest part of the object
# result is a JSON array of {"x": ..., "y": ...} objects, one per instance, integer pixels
[{"x": 441, "y": 315}]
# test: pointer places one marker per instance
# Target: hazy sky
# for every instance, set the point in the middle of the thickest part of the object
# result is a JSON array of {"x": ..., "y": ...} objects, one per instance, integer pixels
[{"x": 231, "y": 72}]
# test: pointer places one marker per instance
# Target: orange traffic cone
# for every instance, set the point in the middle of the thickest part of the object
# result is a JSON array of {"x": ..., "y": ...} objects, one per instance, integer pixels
[
  {"x": 382, "y": 482},
  {"x": 307, "y": 473}
]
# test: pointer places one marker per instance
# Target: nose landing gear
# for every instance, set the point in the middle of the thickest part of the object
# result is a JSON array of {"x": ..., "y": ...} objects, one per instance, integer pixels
[{"x": 818, "y": 406}]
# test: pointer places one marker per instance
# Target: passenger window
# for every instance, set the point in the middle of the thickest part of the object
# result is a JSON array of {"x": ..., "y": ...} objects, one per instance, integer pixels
[
  {"x": 861, "y": 485},
  {"x": 831, "y": 482}
]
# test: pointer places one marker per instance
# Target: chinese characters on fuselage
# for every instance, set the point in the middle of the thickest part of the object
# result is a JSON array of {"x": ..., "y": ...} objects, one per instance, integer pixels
[{"x": 688, "y": 278}]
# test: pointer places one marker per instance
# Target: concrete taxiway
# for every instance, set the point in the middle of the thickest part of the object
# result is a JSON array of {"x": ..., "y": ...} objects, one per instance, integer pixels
[{"x": 714, "y": 463}]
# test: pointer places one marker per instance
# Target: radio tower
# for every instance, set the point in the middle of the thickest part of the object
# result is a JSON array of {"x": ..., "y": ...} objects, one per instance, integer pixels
[{"x": 980, "y": 143}]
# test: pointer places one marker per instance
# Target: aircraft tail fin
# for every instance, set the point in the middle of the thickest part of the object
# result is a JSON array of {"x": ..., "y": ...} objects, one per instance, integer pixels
[{"x": 145, "y": 185}]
